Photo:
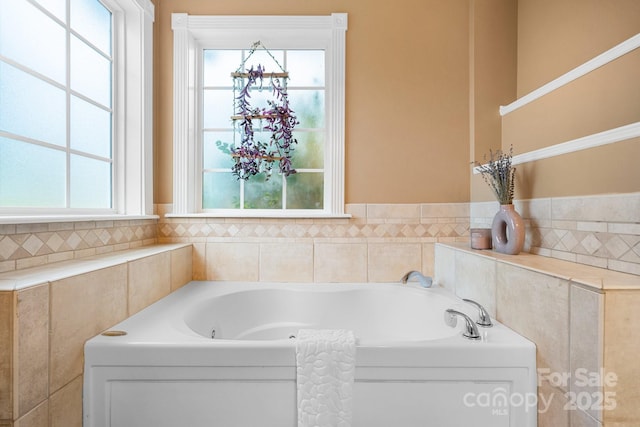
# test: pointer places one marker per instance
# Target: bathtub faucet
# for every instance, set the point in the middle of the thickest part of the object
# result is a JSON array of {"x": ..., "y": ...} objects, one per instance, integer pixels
[
  {"x": 470, "y": 329},
  {"x": 425, "y": 281},
  {"x": 484, "y": 319}
]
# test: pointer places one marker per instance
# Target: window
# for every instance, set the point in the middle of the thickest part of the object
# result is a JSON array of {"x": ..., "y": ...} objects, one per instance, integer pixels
[
  {"x": 64, "y": 136},
  {"x": 206, "y": 50}
]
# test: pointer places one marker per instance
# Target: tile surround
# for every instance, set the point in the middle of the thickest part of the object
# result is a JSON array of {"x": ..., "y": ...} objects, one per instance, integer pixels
[
  {"x": 380, "y": 242},
  {"x": 580, "y": 318},
  {"x": 45, "y": 322},
  {"x": 601, "y": 231}
]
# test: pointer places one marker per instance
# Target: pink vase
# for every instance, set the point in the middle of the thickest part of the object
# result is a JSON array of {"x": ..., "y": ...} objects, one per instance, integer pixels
[{"x": 507, "y": 231}]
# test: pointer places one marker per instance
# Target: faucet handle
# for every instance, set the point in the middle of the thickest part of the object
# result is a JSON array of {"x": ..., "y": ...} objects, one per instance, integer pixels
[
  {"x": 484, "y": 319},
  {"x": 470, "y": 330}
]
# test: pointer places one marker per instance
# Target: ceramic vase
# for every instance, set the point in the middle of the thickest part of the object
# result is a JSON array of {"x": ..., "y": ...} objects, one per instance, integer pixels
[{"x": 507, "y": 231}]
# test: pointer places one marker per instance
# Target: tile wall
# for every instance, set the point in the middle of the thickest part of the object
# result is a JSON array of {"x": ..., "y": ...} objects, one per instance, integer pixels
[
  {"x": 378, "y": 243},
  {"x": 601, "y": 231},
  {"x": 47, "y": 313},
  {"x": 29, "y": 245},
  {"x": 570, "y": 311}
]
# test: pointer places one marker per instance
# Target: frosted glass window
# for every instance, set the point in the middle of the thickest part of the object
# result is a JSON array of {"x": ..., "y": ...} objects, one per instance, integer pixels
[
  {"x": 32, "y": 39},
  {"x": 93, "y": 22},
  {"x": 56, "y": 137},
  {"x": 57, "y": 7},
  {"x": 220, "y": 191},
  {"x": 90, "y": 183},
  {"x": 304, "y": 190},
  {"x": 90, "y": 128},
  {"x": 31, "y": 175},
  {"x": 217, "y": 65},
  {"x": 309, "y": 67},
  {"x": 31, "y": 107},
  {"x": 90, "y": 72}
]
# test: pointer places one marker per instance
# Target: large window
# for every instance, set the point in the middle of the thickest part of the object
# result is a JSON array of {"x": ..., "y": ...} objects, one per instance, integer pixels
[
  {"x": 306, "y": 92},
  {"x": 207, "y": 49},
  {"x": 63, "y": 70}
]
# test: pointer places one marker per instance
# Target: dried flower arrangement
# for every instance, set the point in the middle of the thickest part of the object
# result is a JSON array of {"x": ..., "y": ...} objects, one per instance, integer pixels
[
  {"x": 499, "y": 174},
  {"x": 253, "y": 156}
]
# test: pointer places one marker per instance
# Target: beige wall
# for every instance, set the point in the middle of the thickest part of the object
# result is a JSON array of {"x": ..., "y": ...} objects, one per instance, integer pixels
[
  {"x": 407, "y": 94},
  {"x": 553, "y": 38}
]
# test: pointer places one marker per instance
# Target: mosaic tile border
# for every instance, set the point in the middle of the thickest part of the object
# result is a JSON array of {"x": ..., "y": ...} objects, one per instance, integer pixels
[
  {"x": 601, "y": 231},
  {"x": 30, "y": 245}
]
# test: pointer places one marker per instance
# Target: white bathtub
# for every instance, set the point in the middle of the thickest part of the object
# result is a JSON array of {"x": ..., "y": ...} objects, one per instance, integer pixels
[{"x": 411, "y": 369}]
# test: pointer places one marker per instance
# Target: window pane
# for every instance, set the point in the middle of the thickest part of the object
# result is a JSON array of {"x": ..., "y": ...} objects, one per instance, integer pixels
[
  {"x": 305, "y": 190},
  {"x": 308, "y": 106},
  {"x": 305, "y": 67},
  {"x": 22, "y": 110},
  {"x": 309, "y": 151},
  {"x": 220, "y": 191},
  {"x": 90, "y": 72},
  {"x": 217, "y": 109},
  {"x": 90, "y": 128},
  {"x": 261, "y": 194},
  {"x": 214, "y": 156},
  {"x": 90, "y": 183},
  {"x": 57, "y": 7},
  {"x": 93, "y": 21},
  {"x": 261, "y": 57},
  {"x": 31, "y": 38},
  {"x": 218, "y": 66},
  {"x": 31, "y": 175}
]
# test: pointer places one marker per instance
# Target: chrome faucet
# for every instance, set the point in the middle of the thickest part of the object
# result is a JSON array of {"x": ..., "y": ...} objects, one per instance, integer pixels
[
  {"x": 425, "y": 281},
  {"x": 484, "y": 319},
  {"x": 470, "y": 330}
]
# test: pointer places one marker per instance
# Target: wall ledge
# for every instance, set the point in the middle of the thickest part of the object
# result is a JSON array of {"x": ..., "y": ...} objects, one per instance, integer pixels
[
  {"x": 21, "y": 279},
  {"x": 592, "y": 277}
]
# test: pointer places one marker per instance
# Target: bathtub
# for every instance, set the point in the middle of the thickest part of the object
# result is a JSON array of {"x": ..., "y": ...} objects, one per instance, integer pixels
[{"x": 223, "y": 354}]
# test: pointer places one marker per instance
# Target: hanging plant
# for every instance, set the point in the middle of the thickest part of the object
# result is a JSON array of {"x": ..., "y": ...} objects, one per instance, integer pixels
[{"x": 253, "y": 156}]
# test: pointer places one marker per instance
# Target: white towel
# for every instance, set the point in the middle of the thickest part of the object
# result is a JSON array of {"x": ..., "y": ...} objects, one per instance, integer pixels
[{"x": 325, "y": 362}]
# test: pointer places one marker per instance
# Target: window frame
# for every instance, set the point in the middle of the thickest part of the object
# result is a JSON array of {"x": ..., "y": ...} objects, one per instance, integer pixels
[
  {"x": 132, "y": 123},
  {"x": 193, "y": 34}
]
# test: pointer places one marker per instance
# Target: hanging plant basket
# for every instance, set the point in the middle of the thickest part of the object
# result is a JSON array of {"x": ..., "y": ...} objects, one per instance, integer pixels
[{"x": 276, "y": 122}]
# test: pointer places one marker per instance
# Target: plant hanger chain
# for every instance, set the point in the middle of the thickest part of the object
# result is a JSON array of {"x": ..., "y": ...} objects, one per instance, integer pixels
[{"x": 253, "y": 49}]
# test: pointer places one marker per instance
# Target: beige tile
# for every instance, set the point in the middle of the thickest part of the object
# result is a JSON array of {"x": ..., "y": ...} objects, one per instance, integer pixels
[
  {"x": 586, "y": 343},
  {"x": 37, "y": 417},
  {"x": 621, "y": 356},
  {"x": 81, "y": 307},
  {"x": 475, "y": 278},
  {"x": 32, "y": 364},
  {"x": 393, "y": 211},
  {"x": 233, "y": 261},
  {"x": 65, "y": 406},
  {"x": 536, "y": 306},
  {"x": 6, "y": 354},
  {"x": 552, "y": 407},
  {"x": 181, "y": 267},
  {"x": 388, "y": 262},
  {"x": 445, "y": 267},
  {"x": 428, "y": 259},
  {"x": 286, "y": 262},
  {"x": 582, "y": 419},
  {"x": 609, "y": 208},
  {"x": 444, "y": 210},
  {"x": 199, "y": 261},
  {"x": 149, "y": 279},
  {"x": 340, "y": 262}
]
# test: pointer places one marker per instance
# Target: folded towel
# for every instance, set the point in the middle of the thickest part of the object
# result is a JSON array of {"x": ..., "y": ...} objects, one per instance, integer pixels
[{"x": 325, "y": 362}]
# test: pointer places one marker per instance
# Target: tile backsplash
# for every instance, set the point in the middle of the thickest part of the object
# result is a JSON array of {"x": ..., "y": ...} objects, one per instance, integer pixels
[
  {"x": 601, "y": 231},
  {"x": 380, "y": 242},
  {"x": 29, "y": 245}
]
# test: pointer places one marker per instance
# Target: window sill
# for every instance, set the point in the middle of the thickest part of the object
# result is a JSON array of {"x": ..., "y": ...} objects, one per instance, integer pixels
[
  {"x": 261, "y": 214},
  {"x": 40, "y": 219}
]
